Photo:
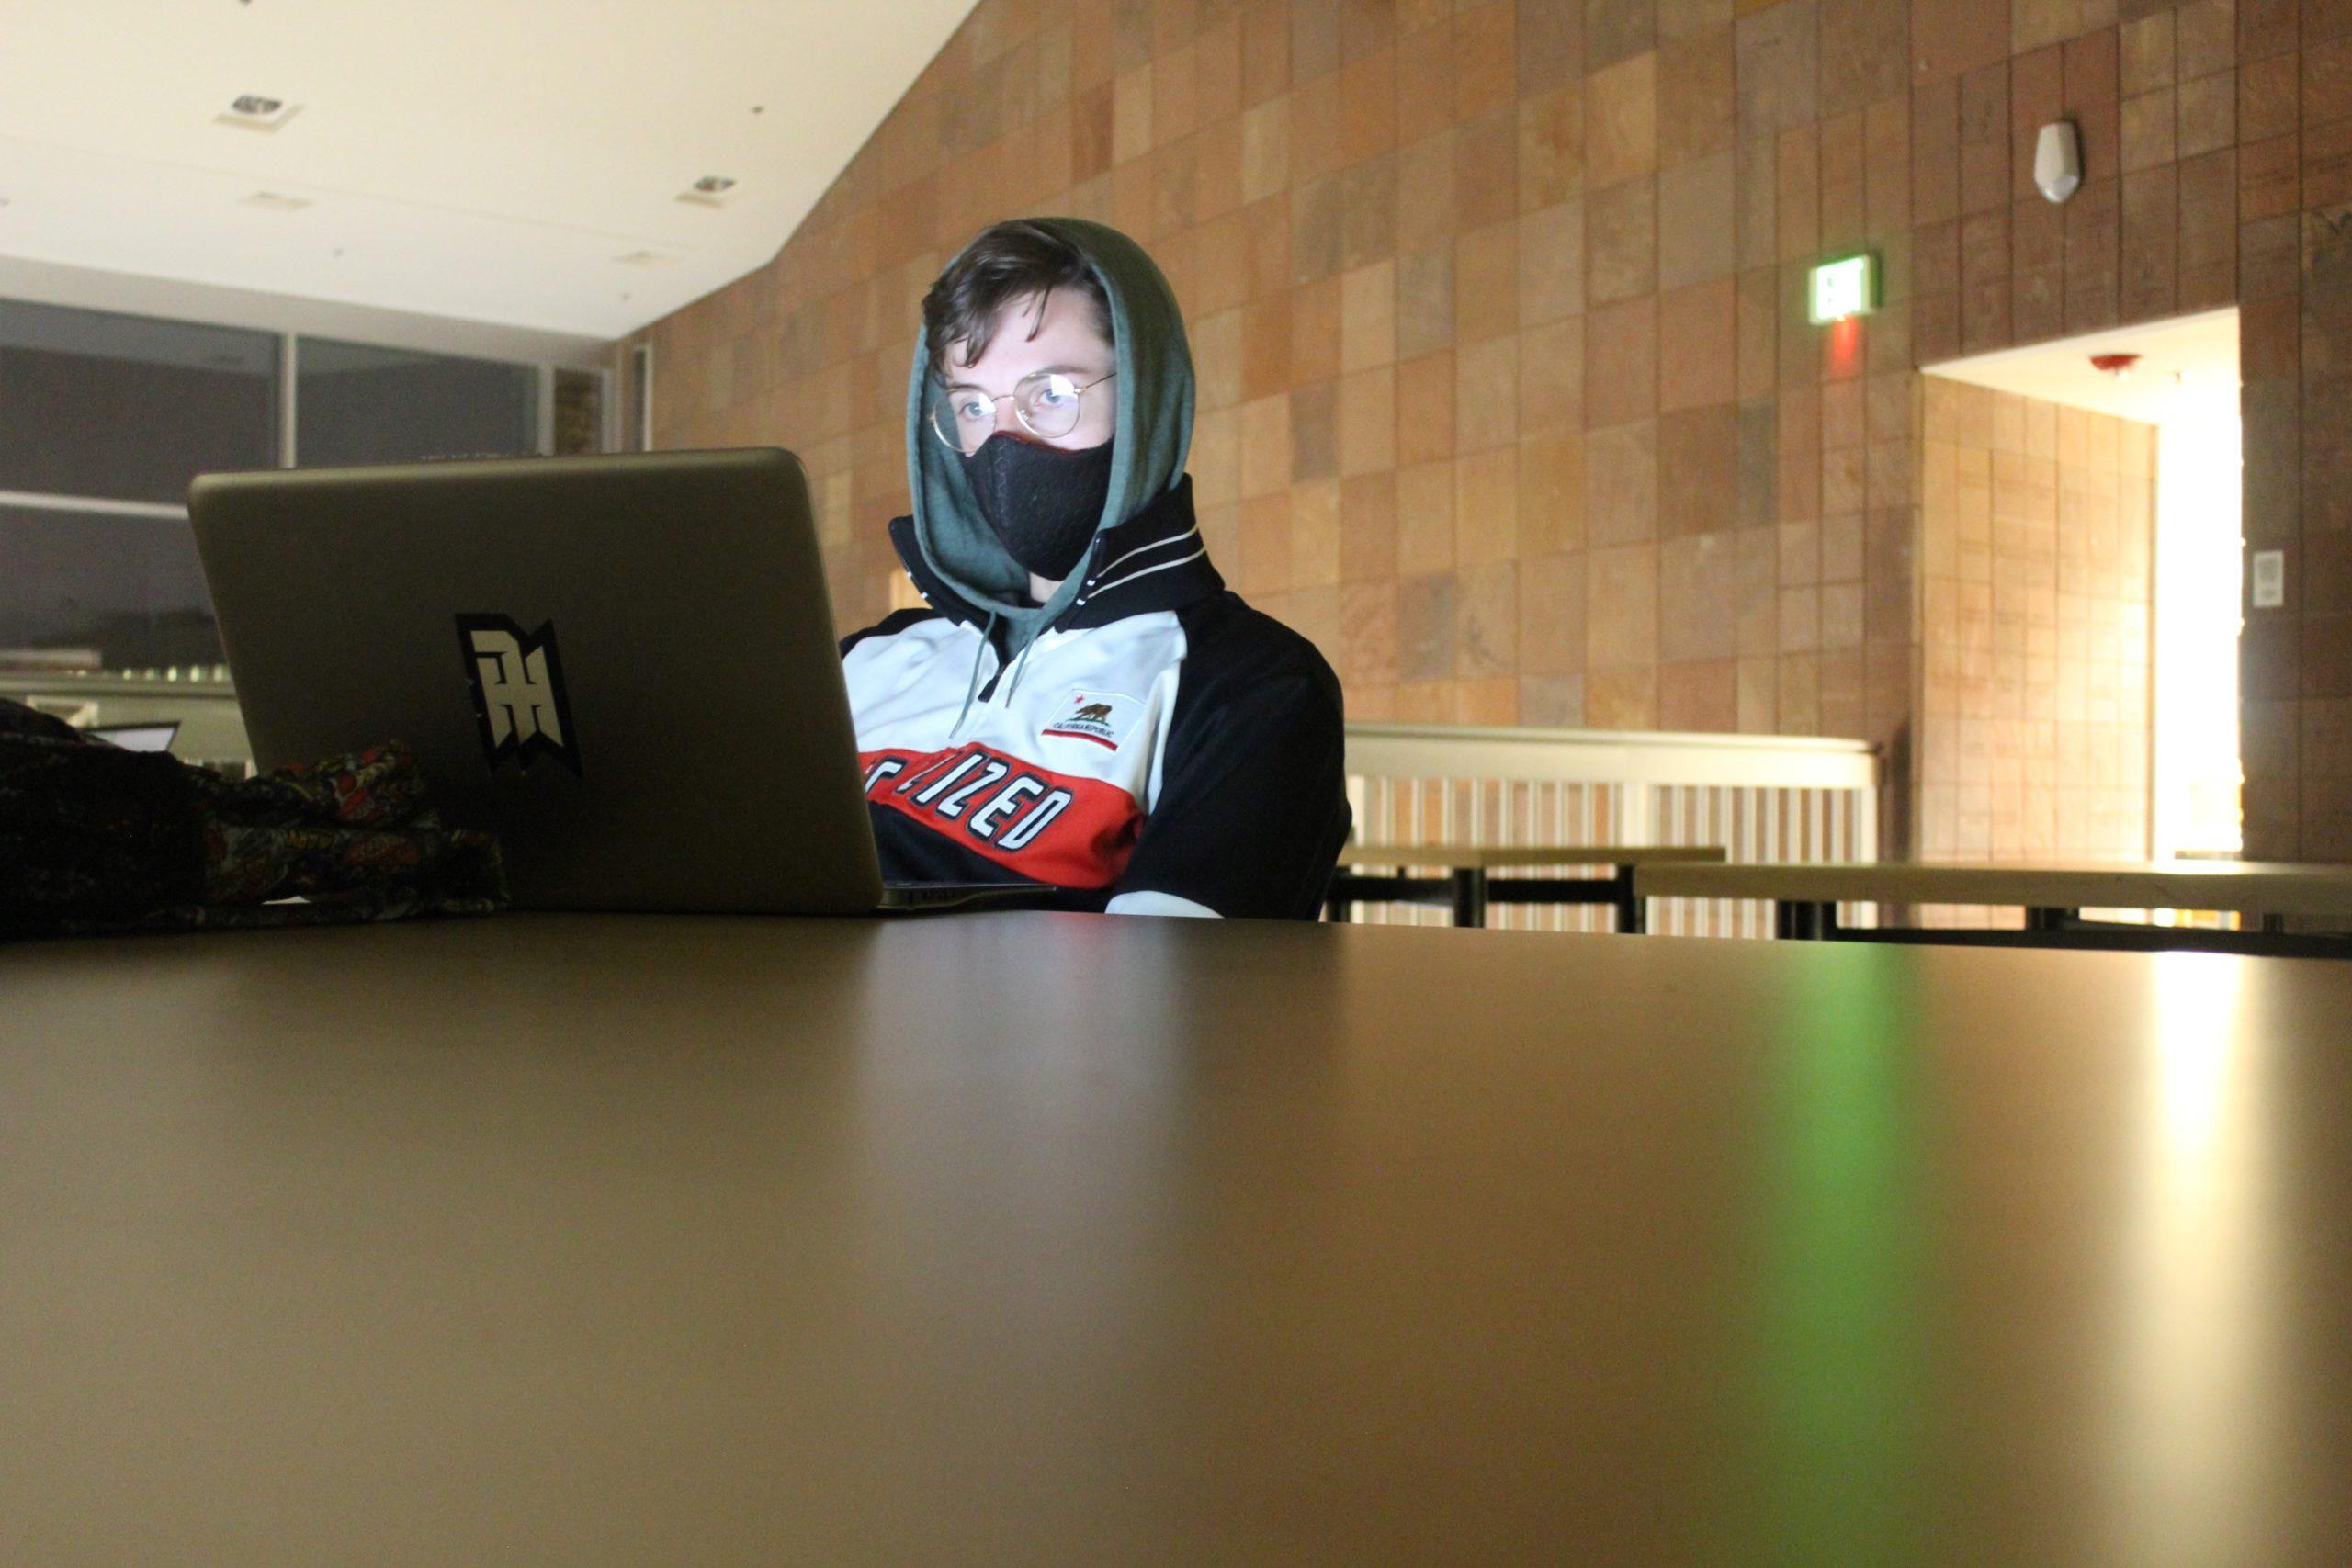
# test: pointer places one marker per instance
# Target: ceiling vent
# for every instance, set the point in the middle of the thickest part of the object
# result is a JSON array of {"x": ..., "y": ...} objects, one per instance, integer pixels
[
  {"x": 711, "y": 190},
  {"x": 272, "y": 201},
  {"x": 257, "y": 111}
]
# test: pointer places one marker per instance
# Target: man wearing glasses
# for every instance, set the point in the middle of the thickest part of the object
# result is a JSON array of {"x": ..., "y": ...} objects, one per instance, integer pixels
[{"x": 1082, "y": 703}]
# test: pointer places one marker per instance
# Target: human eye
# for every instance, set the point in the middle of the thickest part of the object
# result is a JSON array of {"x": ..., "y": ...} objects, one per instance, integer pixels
[
  {"x": 971, "y": 407},
  {"x": 1056, "y": 391}
]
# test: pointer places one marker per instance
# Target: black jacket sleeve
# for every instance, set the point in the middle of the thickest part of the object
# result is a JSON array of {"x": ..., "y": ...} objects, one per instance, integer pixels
[
  {"x": 890, "y": 625},
  {"x": 1253, "y": 806}
]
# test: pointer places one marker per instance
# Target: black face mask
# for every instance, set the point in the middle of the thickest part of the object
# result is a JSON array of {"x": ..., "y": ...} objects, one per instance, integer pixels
[{"x": 1043, "y": 501}]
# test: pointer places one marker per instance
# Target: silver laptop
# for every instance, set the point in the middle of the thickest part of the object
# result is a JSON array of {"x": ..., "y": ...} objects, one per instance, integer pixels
[{"x": 623, "y": 666}]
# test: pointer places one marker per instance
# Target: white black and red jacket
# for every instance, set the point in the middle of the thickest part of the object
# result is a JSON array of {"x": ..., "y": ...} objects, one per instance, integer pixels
[{"x": 1165, "y": 748}]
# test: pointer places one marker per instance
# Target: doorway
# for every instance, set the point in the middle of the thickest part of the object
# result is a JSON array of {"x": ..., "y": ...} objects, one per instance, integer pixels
[{"x": 2081, "y": 566}]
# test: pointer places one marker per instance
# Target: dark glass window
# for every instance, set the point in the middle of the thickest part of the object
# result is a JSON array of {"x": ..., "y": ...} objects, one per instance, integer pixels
[
  {"x": 129, "y": 407},
  {"x": 354, "y": 404},
  {"x": 128, "y": 589},
  {"x": 99, "y": 408}
]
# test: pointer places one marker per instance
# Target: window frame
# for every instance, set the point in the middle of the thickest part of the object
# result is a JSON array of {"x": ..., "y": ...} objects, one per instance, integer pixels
[{"x": 289, "y": 346}]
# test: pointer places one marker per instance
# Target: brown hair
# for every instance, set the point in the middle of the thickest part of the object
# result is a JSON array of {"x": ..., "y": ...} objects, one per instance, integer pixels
[{"x": 1006, "y": 262}]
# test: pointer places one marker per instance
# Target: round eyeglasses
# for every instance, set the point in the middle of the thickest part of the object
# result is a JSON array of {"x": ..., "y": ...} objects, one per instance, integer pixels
[{"x": 1046, "y": 403}]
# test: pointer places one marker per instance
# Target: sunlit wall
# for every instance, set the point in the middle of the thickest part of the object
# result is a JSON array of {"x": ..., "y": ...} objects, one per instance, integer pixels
[{"x": 2196, "y": 619}]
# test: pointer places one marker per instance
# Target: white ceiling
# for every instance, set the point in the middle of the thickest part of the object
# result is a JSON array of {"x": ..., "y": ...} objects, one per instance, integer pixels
[
  {"x": 2187, "y": 365},
  {"x": 485, "y": 159}
]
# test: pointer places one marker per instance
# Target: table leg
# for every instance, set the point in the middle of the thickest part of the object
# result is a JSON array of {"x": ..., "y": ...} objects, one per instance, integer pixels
[
  {"x": 1470, "y": 896},
  {"x": 1632, "y": 918},
  {"x": 1803, "y": 919}
]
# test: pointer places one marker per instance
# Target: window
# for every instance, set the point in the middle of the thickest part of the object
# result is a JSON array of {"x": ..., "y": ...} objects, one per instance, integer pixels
[
  {"x": 355, "y": 403},
  {"x": 122, "y": 589},
  {"x": 129, "y": 407},
  {"x": 105, "y": 419}
]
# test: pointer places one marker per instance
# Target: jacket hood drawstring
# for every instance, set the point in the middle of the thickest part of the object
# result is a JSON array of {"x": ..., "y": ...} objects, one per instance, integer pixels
[
  {"x": 1013, "y": 670},
  {"x": 971, "y": 688}
]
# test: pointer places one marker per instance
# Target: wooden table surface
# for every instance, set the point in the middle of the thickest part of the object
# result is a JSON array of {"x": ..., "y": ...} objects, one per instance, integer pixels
[
  {"x": 2259, "y": 887},
  {"x": 1495, "y": 857},
  {"x": 1020, "y": 1238}
]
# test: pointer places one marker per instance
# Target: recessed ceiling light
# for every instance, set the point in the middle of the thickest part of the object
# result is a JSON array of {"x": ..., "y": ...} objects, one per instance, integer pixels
[
  {"x": 711, "y": 190},
  {"x": 272, "y": 201},
  {"x": 257, "y": 111}
]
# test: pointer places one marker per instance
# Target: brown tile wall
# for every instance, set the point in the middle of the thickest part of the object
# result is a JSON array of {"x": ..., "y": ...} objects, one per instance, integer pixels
[
  {"x": 1508, "y": 398},
  {"x": 2036, "y": 537}
]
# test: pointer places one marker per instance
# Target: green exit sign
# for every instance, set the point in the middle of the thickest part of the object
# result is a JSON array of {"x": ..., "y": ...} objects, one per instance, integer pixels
[{"x": 1846, "y": 287}]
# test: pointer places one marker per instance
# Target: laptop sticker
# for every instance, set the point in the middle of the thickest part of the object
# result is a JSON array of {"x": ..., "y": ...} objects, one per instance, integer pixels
[{"x": 519, "y": 696}]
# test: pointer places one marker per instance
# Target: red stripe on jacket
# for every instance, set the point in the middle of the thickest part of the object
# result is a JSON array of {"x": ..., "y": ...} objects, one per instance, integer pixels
[{"x": 1050, "y": 827}]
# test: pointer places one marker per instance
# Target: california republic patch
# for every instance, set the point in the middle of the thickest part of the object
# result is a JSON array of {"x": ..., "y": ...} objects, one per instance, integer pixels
[{"x": 1102, "y": 718}]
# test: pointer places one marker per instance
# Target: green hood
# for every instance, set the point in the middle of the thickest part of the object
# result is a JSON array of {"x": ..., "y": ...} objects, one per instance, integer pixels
[{"x": 1153, "y": 435}]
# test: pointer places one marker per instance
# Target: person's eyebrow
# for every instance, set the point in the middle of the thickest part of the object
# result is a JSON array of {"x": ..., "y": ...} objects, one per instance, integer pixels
[{"x": 1041, "y": 370}]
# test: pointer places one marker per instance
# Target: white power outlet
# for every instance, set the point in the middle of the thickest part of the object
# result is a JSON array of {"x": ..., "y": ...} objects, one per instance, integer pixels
[{"x": 2269, "y": 578}]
